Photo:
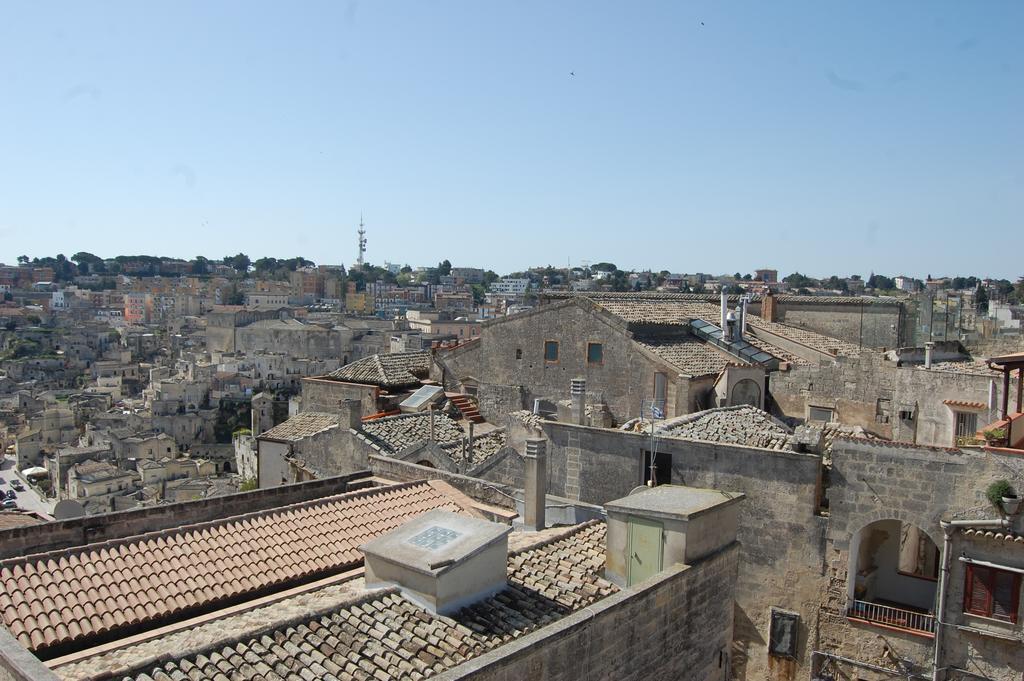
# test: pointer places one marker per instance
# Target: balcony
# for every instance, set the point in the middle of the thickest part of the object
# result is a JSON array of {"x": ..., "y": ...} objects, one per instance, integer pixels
[{"x": 920, "y": 623}]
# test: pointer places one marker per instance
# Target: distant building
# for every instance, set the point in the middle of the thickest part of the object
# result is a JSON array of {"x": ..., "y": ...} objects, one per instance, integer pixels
[
  {"x": 468, "y": 275},
  {"x": 515, "y": 287},
  {"x": 767, "y": 276},
  {"x": 908, "y": 284}
]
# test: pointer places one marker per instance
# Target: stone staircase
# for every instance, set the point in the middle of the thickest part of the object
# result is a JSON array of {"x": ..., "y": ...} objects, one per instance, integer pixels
[{"x": 466, "y": 407}]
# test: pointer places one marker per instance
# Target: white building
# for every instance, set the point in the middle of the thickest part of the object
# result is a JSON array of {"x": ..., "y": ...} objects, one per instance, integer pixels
[{"x": 514, "y": 287}]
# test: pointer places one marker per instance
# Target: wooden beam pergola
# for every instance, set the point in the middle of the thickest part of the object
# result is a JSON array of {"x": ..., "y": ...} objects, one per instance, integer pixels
[{"x": 1007, "y": 364}]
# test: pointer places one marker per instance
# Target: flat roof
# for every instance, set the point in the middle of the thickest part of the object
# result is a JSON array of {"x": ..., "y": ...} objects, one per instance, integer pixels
[
  {"x": 673, "y": 501},
  {"x": 435, "y": 541}
]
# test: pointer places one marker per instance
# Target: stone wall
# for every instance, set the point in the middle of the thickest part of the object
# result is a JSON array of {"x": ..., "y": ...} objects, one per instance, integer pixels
[
  {"x": 18, "y": 664},
  {"x": 780, "y": 532},
  {"x": 494, "y": 494},
  {"x": 496, "y": 401},
  {"x": 300, "y": 341},
  {"x": 676, "y": 625},
  {"x": 319, "y": 394},
  {"x": 512, "y": 353},
  {"x": 62, "y": 534},
  {"x": 870, "y": 391},
  {"x": 872, "y": 325}
]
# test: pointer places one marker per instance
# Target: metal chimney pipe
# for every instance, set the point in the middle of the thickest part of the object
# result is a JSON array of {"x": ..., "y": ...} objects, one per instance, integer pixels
[
  {"x": 743, "y": 318},
  {"x": 928, "y": 347},
  {"x": 430, "y": 409},
  {"x": 578, "y": 391},
  {"x": 469, "y": 447},
  {"x": 536, "y": 483},
  {"x": 725, "y": 310}
]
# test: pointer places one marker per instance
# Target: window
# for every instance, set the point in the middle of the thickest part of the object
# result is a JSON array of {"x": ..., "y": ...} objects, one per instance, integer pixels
[
  {"x": 550, "y": 351},
  {"x": 519, "y": 353},
  {"x": 782, "y": 636},
  {"x": 662, "y": 468},
  {"x": 820, "y": 414},
  {"x": 966, "y": 424},
  {"x": 991, "y": 592},
  {"x": 595, "y": 353}
]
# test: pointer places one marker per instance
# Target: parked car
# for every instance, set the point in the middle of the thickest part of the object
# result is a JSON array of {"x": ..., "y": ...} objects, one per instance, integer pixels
[
  {"x": 10, "y": 503},
  {"x": 16, "y": 484},
  {"x": 11, "y": 494}
]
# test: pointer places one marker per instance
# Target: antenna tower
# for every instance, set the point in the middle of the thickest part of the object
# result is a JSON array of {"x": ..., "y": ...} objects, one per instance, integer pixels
[{"x": 362, "y": 242}]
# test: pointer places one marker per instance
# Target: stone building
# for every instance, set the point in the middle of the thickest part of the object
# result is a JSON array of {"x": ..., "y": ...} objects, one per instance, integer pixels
[{"x": 633, "y": 350}]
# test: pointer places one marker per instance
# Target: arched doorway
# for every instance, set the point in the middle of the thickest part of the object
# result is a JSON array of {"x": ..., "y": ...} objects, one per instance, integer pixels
[
  {"x": 424, "y": 462},
  {"x": 746, "y": 391},
  {"x": 893, "y": 575}
]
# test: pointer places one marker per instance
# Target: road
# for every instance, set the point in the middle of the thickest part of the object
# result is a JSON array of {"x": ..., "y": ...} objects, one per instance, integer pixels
[{"x": 29, "y": 499}]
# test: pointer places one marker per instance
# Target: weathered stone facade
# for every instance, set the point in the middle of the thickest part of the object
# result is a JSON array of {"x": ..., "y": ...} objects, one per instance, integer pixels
[{"x": 676, "y": 625}]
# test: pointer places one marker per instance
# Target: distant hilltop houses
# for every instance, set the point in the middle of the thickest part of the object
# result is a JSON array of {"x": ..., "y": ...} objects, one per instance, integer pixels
[{"x": 402, "y": 471}]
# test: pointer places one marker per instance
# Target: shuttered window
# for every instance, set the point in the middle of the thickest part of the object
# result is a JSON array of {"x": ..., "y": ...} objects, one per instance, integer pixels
[{"x": 990, "y": 592}]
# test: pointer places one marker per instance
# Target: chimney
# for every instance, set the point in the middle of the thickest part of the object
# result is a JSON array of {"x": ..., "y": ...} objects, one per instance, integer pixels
[
  {"x": 350, "y": 414},
  {"x": 578, "y": 391},
  {"x": 928, "y": 348},
  {"x": 468, "y": 459},
  {"x": 536, "y": 483},
  {"x": 536, "y": 406},
  {"x": 725, "y": 310},
  {"x": 430, "y": 410},
  {"x": 743, "y": 318},
  {"x": 768, "y": 306}
]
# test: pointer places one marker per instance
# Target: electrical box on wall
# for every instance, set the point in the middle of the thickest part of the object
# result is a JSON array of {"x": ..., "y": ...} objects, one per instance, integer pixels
[{"x": 785, "y": 630}]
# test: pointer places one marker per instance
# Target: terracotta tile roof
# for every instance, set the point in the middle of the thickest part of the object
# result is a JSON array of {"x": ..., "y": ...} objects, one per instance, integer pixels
[
  {"x": 993, "y": 534},
  {"x": 301, "y": 425},
  {"x": 965, "y": 404},
  {"x": 384, "y": 636},
  {"x": 9, "y": 519},
  {"x": 394, "y": 370},
  {"x": 73, "y": 595},
  {"x": 971, "y": 366},
  {"x": 691, "y": 356}
]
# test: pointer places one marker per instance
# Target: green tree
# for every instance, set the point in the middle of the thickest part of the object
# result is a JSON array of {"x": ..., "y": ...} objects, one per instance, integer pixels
[
  {"x": 798, "y": 280},
  {"x": 981, "y": 299},
  {"x": 199, "y": 265},
  {"x": 240, "y": 263},
  {"x": 23, "y": 260},
  {"x": 444, "y": 268},
  {"x": 604, "y": 267}
]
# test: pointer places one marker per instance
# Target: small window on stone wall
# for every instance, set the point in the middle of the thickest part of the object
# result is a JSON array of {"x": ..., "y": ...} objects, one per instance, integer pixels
[
  {"x": 550, "y": 351},
  {"x": 519, "y": 353},
  {"x": 595, "y": 353},
  {"x": 821, "y": 414}
]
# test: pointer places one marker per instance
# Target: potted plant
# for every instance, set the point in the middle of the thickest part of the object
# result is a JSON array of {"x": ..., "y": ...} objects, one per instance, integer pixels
[
  {"x": 995, "y": 437},
  {"x": 1002, "y": 495}
]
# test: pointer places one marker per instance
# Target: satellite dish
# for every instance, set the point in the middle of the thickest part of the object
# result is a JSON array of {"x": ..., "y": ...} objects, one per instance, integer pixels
[{"x": 67, "y": 509}]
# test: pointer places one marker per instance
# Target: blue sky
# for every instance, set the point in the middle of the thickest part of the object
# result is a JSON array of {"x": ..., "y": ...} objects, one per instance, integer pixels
[{"x": 830, "y": 138}]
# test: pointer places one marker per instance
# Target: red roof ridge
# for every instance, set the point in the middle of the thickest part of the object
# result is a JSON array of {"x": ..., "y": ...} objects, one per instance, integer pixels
[{"x": 205, "y": 526}]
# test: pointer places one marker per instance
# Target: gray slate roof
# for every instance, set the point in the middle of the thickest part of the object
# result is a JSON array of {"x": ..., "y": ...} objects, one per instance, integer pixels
[
  {"x": 301, "y": 425},
  {"x": 394, "y": 370}
]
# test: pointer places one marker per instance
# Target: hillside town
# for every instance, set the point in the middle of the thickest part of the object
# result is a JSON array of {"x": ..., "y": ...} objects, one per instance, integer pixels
[{"x": 365, "y": 448}]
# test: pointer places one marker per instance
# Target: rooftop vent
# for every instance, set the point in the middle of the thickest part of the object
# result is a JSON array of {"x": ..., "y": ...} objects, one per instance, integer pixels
[
  {"x": 654, "y": 528},
  {"x": 441, "y": 560}
]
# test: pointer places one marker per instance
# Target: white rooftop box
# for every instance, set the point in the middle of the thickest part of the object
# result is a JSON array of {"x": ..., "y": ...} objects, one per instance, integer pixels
[{"x": 441, "y": 560}]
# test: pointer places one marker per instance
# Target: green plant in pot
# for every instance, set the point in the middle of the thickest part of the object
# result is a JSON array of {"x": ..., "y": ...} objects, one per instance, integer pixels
[{"x": 1002, "y": 495}]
